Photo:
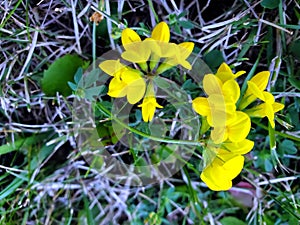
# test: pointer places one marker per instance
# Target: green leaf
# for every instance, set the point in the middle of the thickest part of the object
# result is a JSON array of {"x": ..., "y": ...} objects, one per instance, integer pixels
[
  {"x": 78, "y": 75},
  {"x": 288, "y": 146},
  {"x": 88, "y": 212},
  {"x": 11, "y": 188},
  {"x": 214, "y": 58},
  {"x": 294, "y": 82},
  {"x": 59, "y": 73},
  {"x": 231, "y": 220},
  {"x": 208, "y": 157},
  {"x": 22, "y": 143},
  {"x": 186, "y": 24},
  {"x": 270, "y": 4},
  {"x": 72, "y": 86},
  {"x": 294, "y": 48},
  {"x": 161, "y": 82},
  {"x": 268, "y": 165}
]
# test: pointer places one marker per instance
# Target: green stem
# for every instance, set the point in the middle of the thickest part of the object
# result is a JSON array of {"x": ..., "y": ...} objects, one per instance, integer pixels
[
  {"x": 94, "y": 45},
  {"x": 10, "y": 14},
  {"x": 277, "y": 132},
  {"x": 153, "y": 10},
  {"x": 133, "y": 130},
  {"x": 249, "y": 76}
]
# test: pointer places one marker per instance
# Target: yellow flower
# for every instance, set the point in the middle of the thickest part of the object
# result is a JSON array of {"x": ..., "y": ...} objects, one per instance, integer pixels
[
  {"x": 224, "y": 73},
  {"x": 138, "y": 51},
  {"x": 126, "y": 81},
  {"x": 148, "y": 108},
  {"x": 256, "y": 85},
  {"x": 161, "y": 32},
  {"x": 131, "y": 85},
  {"x": 268, "y": 108},
  {"x": 113, "y": 68},
  {"x": 255, "y": 90},
  {"x": 235, "y": 131},
  {"x": 155, "y": 47},
  {"x": 219, "y": 107},
  {"x": 229, "y": 89},
  {"x": 238, "y": 148},
  {"x": 223, "y": 163},
  {"x": 217, "y": 110},
  {"x": 219, "y": 174},
  {"x": 149, "y": 103},
  {"x": 176, "y": 55}
]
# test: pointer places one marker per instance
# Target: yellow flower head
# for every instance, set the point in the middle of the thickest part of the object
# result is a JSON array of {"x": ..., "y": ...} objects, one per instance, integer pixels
[
  {"x": 219, "y": 107},
  {"x": 138, "y": 51},
  {"x": 219, "y": 174},
  {"x": 266, "y": 109},
  {"x": 224, "y": 73},
  {"x": 149, "y": 104},
  {"x": 130, "y": 84},
  {"x": 255, "y": 90},
  {"x": 126, "y": 81},
  {"x": 149, "y": 57},
  {"x": 236, "y": 131},
  {"x": 223, "y": 163},
  {"x": 113, "y": 68},
  {"x": 218, "y": 110},
  {"x": 176, "y": 55},
  {"x": 256, "y": 85},
  {"x": 148, "y": 108}
]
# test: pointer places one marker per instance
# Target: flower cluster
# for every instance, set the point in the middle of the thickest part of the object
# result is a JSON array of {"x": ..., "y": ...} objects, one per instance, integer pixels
[
  {"x": 225, "y": 109},
  {"x": 255, "y": 90},
  {"x": 147, "y": 58},
  {"x": 230, "y": 125}
]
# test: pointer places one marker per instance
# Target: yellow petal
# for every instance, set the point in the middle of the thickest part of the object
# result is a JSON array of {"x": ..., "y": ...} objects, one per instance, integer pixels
[
  {"x": 186, "y": 65},
  {"x": 149, "y": 106},
  {"x": 277, "y": 106},
  {"x": 231, "y": 90},
  {"x": 233, "y": 166},
  {"x": 161, "y": 32},
  {"x": 112, "y": 67},
  {"x": 254, "y": 90},
  {"x": 117, "y": 88},
  {"x": 257, "y": 111},
  {"x": 212, "y": 84},
  {"x": 219, "y": 134},
  {"x": 261, "y": 111},
  {"x": 261, "y": 80},
  {"x": 224, "y": 68},
  {"x": 136, "y": 57},
  {"x": 136, "y": 86},
  {"x": 224, "y": 73},
  {"x": 212, "y": 175},
  {"x": 167, "y": 49},
  {"x": 239, "y": 148},
  {"x": 239, "y": 73},
  {"x": 129, "y": 36},
  {"x": 222, "y": 110},
  {"x": 270, "y": 114},
  {"x": 240, "y": 128},
  {"x": 153, "y": 46},
  {"x": 186, "y": 48},
  {"x": 201, "y": 106},
  {"x": 269, "y": 98}
]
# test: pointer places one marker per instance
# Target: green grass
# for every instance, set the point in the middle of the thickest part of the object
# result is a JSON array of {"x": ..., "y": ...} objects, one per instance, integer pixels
[{"x": 44, "y": 179}]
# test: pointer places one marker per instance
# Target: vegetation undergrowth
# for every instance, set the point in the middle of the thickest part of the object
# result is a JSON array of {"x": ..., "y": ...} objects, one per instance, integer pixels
[{"x": 49, "y": 64}]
